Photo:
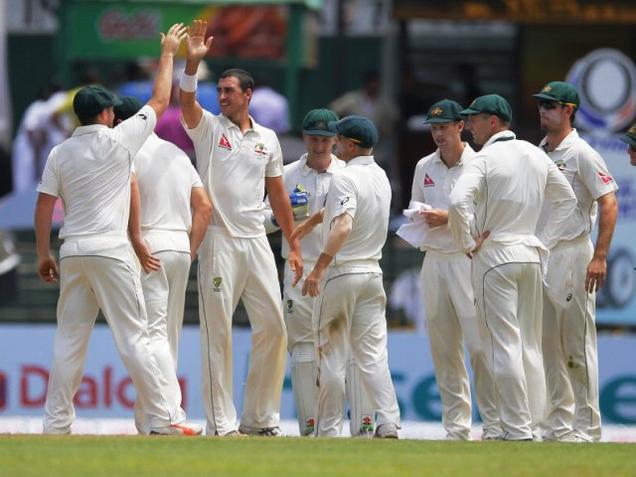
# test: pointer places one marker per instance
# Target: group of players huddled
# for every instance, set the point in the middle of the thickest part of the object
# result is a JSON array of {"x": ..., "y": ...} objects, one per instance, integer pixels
[{"x": 509, "y": 265}]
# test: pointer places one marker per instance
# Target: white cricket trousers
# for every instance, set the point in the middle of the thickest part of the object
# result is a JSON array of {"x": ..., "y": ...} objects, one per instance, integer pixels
[
  {"x": 451, "y": 318},
  {"x": 349, "y": 316},
  {"x": 164, "y": 296},
  {"x": 569, "y": 344},
  {"x": 230, "y": 269},
  {"x": 87, "y": 284},
  {"x": 508, "y": 292},
  {"x": 297, "y": 310}
]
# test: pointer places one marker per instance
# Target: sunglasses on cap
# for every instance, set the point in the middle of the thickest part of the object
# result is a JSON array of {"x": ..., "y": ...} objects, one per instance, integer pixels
[{"x": 547, "y": 105}]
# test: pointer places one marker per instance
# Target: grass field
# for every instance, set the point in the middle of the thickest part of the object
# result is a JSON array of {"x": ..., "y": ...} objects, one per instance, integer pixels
[{"x": 119, "y": 456}]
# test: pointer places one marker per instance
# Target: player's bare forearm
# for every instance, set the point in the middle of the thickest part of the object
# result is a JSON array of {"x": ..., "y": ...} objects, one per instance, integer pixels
[
  {"x": 306, "y": 226},
  {"x": 163, "y": 82},
  {"x": 201, "y": 214},
  {"x": 47, "y": 267},
  {"x": 281, "y": 207},
  {"x": 608, "y": 212},
  {"x": 134, "y": 219},
  {"x": 597, "y": 268}
]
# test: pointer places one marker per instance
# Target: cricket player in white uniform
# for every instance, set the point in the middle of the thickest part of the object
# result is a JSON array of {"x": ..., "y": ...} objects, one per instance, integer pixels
[
  {"x": 91, "y": 172},
  {"x": 349, "y": 316},
  {"x": 307, "y": 182},
  {"x": 504, "y": 188},
  {"x": 576, "y": 270},
  {"x": 169, "y": 216},
  {"x": 238, "y": 160},
  {"x": 446, "y": 285}
]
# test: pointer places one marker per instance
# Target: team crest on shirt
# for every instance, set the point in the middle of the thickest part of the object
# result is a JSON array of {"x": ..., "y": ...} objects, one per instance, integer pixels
[
  {"x": 224, "y": 142},
  {"x": 605, "y": 178},
  {"x": 216, "y": 284},
  {"x": 260, "y": 149},
  {"x": 560, "y": 165},
  {"x": 428, "y": 182},
  {"x": 290, "y": 306}
]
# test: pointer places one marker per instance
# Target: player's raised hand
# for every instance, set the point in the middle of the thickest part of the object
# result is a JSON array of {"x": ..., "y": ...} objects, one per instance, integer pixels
[
  {"x": 170, "y": 41},
  {"x": 47, "y": 269},
  {"x": 196, "y": 44}
]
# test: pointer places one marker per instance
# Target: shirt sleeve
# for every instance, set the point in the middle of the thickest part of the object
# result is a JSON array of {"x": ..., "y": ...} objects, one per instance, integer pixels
[
  {"x": 416, "y": 190},
  {"x": 463, "y": 195},
  {"x": 50, "y": 180},
  {"x": 202, "y": 131},
  {"x": 559, "y": 193},
  {"x": 195, "y": 179},
  {"x": 342, "y": 196},
  {"x": 275, "y": 165},
  {"x": 595, "y": 175},
  {"x": 133, "y": 132}
]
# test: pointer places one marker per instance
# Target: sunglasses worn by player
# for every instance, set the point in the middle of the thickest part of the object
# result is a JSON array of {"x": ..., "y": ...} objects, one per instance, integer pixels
[{"x": 548, "y": 105}]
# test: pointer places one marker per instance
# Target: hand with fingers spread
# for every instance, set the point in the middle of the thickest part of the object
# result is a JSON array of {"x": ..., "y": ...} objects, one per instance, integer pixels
[
  {"x": 148, "y": 261},
  {"x": 170, "y": 41},
  {"x": 196, "y": 44}
]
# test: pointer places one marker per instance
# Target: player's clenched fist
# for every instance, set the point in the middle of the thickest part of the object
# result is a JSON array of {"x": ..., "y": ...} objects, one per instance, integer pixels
[
  {"x": 196, "y": 44},
  {"x": 47, "y": 269},
  {"x": 170, "y": 41}
]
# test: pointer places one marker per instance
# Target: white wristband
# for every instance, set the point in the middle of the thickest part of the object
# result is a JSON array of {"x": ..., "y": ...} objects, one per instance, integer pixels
[{"x": 188, "y": 83}]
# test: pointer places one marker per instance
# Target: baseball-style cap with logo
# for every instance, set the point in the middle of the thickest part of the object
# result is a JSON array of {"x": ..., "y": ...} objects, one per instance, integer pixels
[
  {"x": 444, "y": 111},
  {"x": 129, "y": 105},
  {"x": 490, "y": 104},
  {"x": 316, "y": 122},
  {"x": 92, "y": 100},
  {"x": 630, "y": 136},
  {"x": 561, "y": 92},
  {"x": 359, "y": 129}
]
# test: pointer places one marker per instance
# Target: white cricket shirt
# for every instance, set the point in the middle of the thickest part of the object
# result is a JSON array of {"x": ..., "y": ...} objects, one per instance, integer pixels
[
  {"x": 505, "y": 186},
  {"x": 587, "y": 173},
  {"x": 165, "y": 177},
  {"x": 362, "y": 190},
  {"x": 233, "y": 167},
  {"x": 433, "y": 182},
  {"x": 317, "y": 185},
  {"x": 90, "y": 172}
]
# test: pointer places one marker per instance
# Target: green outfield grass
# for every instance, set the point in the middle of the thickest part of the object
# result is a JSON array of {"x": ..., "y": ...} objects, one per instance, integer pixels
[{"x": 119, "y": 456}]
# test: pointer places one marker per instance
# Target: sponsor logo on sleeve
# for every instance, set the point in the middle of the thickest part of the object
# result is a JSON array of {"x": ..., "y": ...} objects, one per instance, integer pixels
[{"x": 605, "y": 178}]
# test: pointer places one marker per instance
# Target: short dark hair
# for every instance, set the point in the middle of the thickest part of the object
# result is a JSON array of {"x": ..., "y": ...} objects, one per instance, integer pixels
[
  {"x": 244, "y": 78},
  {"x": 88, "y": 121}
]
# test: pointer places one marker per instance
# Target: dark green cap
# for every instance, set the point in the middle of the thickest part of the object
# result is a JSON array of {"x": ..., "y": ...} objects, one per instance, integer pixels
[
  {"x": 92, "y": 100},
  {"x": 630, "y": 136},
  {"x": 316, "y": 122},
  {"x": 490, "y": 104},
  {"x": 359, "y": 129},
  {"x": 561, "y": 92},
  {"x": 128, "y": 107},
  {"x": 444, "y": 111}
]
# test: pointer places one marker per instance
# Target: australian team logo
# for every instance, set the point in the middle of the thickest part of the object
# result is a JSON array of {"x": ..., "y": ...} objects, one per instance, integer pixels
[
  {"x": 428, "y": 182},
  {"x": 437, "y": 111},
  {"x": 224, "y": 142},
  {"x": 560, "y": 164},
  {"x": 216, "y": 284},
  {"x": 260, "y": 149},
  {"x": 290, "y": 306}
]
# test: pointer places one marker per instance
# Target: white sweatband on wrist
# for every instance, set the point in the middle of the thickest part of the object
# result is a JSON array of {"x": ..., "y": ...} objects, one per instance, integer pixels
[{"x": 188, "y": 83}]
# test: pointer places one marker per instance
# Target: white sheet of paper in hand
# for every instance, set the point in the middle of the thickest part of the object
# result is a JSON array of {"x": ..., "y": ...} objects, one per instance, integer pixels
[{"x": 417, "y": 229}]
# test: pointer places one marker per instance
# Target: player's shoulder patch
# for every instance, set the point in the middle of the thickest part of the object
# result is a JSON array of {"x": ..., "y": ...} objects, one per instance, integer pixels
[{"x": 605, "y": 178}]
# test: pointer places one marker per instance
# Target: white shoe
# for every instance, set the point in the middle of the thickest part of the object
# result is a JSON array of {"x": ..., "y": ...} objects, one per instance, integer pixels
[
  {"x": 388, "y": 430},
  {"x": 183, "y": 429}
]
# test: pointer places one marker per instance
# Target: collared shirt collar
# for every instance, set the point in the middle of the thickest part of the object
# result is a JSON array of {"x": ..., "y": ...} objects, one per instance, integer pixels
[
  {"x": 500, "y": 135},
  {"x": 91, "y": 128},
  {"x": 438, "y": 156},
  {"x": 362, "y": 160},
  {"x": 307, "y": 170},
  {"x": 254, "y": 126},
  {"x": 567, "y": 140}
]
